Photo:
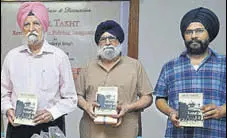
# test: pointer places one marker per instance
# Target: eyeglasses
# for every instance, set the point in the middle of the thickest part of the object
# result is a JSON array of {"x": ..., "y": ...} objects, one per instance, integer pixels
[
  {"x": 110, "y": 38},
  {"x": 197, "y": 31}
]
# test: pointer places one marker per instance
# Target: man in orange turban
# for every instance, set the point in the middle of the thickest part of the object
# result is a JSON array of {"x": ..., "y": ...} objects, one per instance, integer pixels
[{"x": 38, "y": 69}]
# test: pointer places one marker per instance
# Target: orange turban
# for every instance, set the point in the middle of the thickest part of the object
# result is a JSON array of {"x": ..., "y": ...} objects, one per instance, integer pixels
[{"x": 38, "y": 9}]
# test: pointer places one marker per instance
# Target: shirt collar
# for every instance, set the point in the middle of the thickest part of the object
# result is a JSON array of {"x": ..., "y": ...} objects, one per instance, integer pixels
[
  {"x": 46, "y": 48},
  {"x": 115, "y": 63}
]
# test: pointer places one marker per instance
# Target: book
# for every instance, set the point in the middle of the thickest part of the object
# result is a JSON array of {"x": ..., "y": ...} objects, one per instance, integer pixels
[
  {"x": 105, "y": 120},
  {"x": 26, "y": 107},
  {"x": 107, "y": 98},
  {"x": 190, "y": 114}
]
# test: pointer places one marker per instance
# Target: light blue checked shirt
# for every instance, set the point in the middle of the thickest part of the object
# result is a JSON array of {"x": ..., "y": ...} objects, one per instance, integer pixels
[{"x": 179, "y": 76}]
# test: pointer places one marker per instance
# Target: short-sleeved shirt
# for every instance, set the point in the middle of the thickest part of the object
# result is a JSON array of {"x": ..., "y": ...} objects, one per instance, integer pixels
[
  {"x": 129, "y": 76},
  {"x": 47, "y": 75},
  {"x": 179, "y": 76}
]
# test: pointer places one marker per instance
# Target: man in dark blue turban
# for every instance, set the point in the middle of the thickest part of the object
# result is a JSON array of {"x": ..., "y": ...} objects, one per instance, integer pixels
[
  {"x": 112, "y": 70},
  {"x": 206, "y": 17},
  {"x": 199, "y": 71},
  {"x": 108, "y": 36},
  {"x": 208, "y": 20},
  {"x": 111, "y": 27}
]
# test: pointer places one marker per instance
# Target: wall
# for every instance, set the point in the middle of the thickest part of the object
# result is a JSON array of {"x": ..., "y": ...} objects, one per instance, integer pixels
[{"x": 160, "y": 40}]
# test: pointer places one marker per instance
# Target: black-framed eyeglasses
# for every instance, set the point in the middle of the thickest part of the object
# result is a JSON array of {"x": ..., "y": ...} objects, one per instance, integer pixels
[
  {"x": 110, "y": 38},
  {"x": 197, "y": 31}
]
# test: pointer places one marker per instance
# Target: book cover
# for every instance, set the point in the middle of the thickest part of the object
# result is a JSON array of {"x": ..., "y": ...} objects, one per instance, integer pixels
[
  {"x": 107, "y": 98},
  {"x": 189, "y": 111},
  {"x": 26, "y": 107}
]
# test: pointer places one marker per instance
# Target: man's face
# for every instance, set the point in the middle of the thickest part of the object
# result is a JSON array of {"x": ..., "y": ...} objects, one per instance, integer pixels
[
  {"x": 196, "y": 39},
  {"x": 33, "y": 30},
  {"x": 109, "y": 47}
]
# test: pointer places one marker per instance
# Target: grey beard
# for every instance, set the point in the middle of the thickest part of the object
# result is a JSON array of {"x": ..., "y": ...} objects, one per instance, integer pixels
[
  {"x": 109, "y": 52},
  {"x": 32, "y": 39}
]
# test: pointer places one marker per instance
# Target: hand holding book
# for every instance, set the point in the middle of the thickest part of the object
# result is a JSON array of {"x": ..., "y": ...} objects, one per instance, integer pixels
[
  {"x": 119, "y": 121},
  {"x": 90, "y": 107},
  {"x": 213, "y": 111},
  {"x": 43, "y": 116},
  {"x": 11, "y": 115},
  {"x": 174, "y": 118},
  {"x": 122, "y": 110}
]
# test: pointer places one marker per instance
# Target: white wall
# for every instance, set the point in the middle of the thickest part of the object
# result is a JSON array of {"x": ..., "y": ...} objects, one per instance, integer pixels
[{"x": 160, "y": 40}]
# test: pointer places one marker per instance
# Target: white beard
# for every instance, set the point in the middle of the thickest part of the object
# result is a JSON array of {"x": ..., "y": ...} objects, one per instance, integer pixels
[
  {"x": 32, "y": 38},
  {"x": 109, "y": 52}
]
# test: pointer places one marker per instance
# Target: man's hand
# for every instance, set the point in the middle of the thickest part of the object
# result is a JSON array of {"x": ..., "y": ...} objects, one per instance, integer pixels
[
  {"x": 90, "y": 109},
  {"x": 212, "y": 111},
  {"x": 43, "y": 116},
  {"x": 119, "y": 121},
  {"x": 173, "y": 116},
  {"x": 122, "y": 110},
  {"x": 10, "y": 115}
]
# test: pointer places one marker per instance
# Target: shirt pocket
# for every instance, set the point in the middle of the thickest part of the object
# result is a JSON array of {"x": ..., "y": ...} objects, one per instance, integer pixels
[{"x": 49, "y": 79}]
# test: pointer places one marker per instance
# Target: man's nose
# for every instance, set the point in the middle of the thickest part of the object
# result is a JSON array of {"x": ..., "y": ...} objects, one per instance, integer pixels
[
  {"x": 193, "y": 35},
  {"x": 107, "y": 41},
  {"x": 31, "y": 28}
]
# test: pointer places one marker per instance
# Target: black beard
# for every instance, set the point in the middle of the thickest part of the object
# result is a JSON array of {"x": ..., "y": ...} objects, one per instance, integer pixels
[{"x": 200, "y": 49}]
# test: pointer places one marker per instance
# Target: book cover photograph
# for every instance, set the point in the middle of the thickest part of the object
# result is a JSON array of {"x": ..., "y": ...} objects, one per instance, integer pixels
[
  {"x": 189, "y": 111},
  {"x": 26, "y": 107},
  {"x": 107, "y": 98}
]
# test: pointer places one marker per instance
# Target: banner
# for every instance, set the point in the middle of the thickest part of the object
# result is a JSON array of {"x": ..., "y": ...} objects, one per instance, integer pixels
[{"x": 72, "y": 26}]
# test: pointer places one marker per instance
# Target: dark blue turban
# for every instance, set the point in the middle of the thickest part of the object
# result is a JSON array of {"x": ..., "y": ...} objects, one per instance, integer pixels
[
  {"x": 205, "y": 17},
  {"x": 111, "y": 27}
]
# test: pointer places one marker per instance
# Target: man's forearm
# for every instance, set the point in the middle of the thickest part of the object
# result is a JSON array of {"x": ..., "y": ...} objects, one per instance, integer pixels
[
  {"x": 82, "y": 103},
  {"x": 144, "y": 102},
  {"x": 163, "y": 106},
  {"x": 5, "y": 103},
  {"x": 223, "y": 110}
]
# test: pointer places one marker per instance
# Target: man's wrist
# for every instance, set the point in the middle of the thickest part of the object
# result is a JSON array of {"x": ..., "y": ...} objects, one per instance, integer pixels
[
  {"x": 8, "y": 111},
  {"x": 129, "y": 108},
  {"x": 171, "y": 113},
  {"x": 86, "y": 107},
  {"x": 222, "y": 111}
]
